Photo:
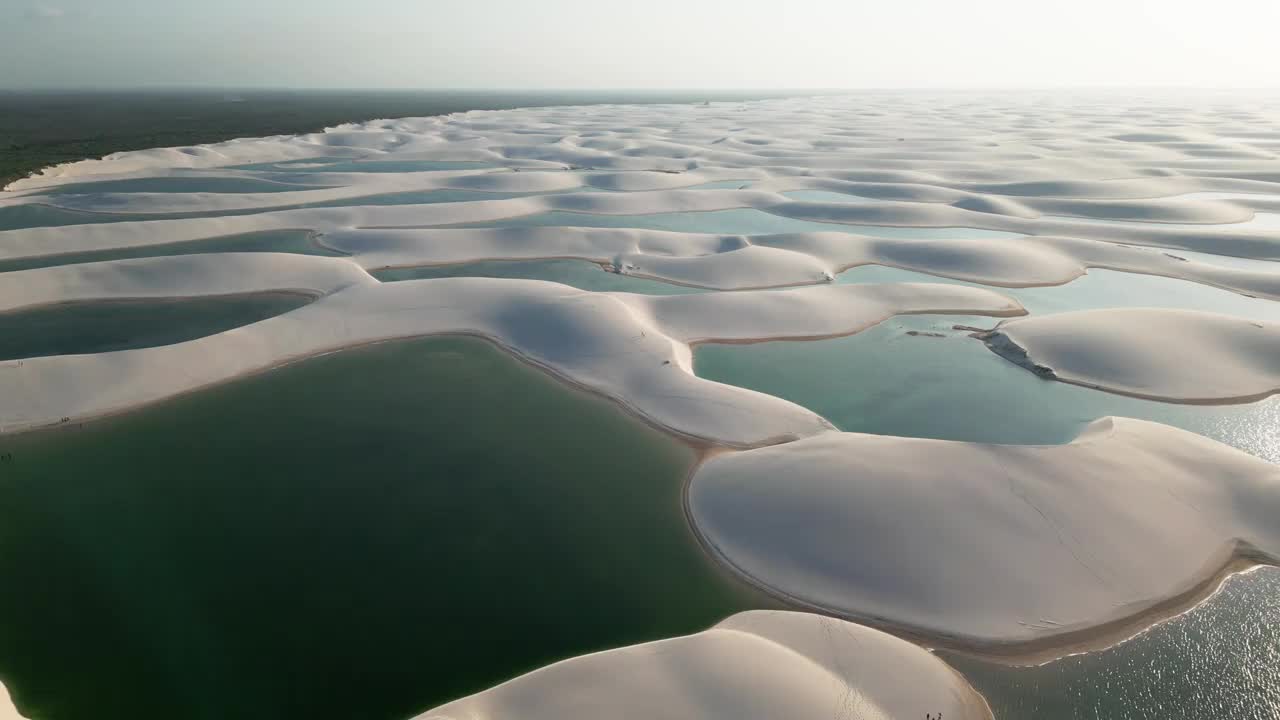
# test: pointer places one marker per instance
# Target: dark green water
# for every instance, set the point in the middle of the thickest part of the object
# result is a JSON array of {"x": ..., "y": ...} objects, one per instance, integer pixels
[
  {"x": 293, "y": 241},
  {"x": 1220, "y": 661},
  {"x": 887, "y": 382},
  {"x": 578, "y": 273},
  {"x": 361, "y": 535},
  {"x": 91, "y": 327}
]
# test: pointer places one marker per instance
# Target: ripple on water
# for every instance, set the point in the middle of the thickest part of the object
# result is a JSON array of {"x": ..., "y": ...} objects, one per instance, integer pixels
[{"x": 1219, "y": 661}]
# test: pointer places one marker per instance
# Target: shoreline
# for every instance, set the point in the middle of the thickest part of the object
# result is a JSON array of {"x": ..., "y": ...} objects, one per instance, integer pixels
[
  {"x": 311, "y": 295},
  {"x": 1237, "y": 560},
  {"x": 1029, "y": 653},
  {"x": 1004, "y": 347},
  {"x": 29, "y": 426}
]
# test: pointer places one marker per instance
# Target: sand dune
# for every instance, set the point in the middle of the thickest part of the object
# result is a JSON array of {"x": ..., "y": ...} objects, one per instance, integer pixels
[
  {"x": 1010, "y": 549},
  {"x": 752, "y": 665},
  {"x": 1170, "y": 355},
  {"x": 178, "y": 277},
  {"x": 629, "y": 347},
  {"x": 7, "y": 710},
  {"x": 990, "y": 546}
]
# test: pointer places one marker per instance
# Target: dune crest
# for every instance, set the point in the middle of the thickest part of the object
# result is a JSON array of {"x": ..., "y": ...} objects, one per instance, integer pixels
[
  {"x": 1148, "y": 353},
  {"x": 998, "y": 548},
  {"x": 753, "y": 665}
]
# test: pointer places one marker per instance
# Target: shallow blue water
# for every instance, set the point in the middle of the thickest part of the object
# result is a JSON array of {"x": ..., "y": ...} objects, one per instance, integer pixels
[
  {"x": 890, "y": 382},
  {"x": 1096, "y": 290}
]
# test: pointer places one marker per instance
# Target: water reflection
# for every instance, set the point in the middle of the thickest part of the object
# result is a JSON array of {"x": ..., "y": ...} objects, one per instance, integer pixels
[{"x": 1220, "y": 661}]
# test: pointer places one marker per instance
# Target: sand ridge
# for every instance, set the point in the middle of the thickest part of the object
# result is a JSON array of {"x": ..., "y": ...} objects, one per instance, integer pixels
[
  {"x": 1002, "y": 547},
  {"x": 754, "y": 664}
]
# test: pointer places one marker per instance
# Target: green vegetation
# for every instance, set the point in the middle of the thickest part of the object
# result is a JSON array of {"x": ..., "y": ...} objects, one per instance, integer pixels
[{"x": 38, "y": 129}]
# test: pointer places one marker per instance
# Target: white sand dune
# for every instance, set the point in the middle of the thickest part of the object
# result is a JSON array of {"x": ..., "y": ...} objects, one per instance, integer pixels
[
  {"x": 989, "y": 545},
  {"x": 753, "y": 665},
  {"x": 1008, "y": 548},
  {"x": 628, "y": 347},
  {"x": 179, "y": 276},
  {"x": 345, "y": 186},
  {"x": 1161, "y": 354},
  {"x": 922, "y": 161},
  {"x": 719, "y": 261}
]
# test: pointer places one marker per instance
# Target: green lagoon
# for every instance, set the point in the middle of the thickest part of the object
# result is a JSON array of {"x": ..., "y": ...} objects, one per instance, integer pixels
[
  {"x": 301, "y": 242},
  {"x": 105, "y": 326},
  {"x": 360, "y": 535}
]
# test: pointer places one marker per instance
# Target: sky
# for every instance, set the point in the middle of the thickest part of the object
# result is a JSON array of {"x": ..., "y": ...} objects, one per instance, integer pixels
[{"x": 538, "y": 44}]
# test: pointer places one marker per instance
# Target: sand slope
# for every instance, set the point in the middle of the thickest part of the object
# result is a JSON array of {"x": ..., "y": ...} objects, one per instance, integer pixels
[
  {"x": 7, "y": 710},
  {"x": 178, "y": 276},
  {"x": 632, "y": 348},
  {"x": 752, "y": 665},
  {"x": 990, "y": 545},
  {"x": 1160, "y": 354}
]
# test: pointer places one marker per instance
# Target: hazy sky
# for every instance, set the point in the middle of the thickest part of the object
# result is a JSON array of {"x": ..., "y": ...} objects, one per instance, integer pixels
[{"x": 639, "y": 43}]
